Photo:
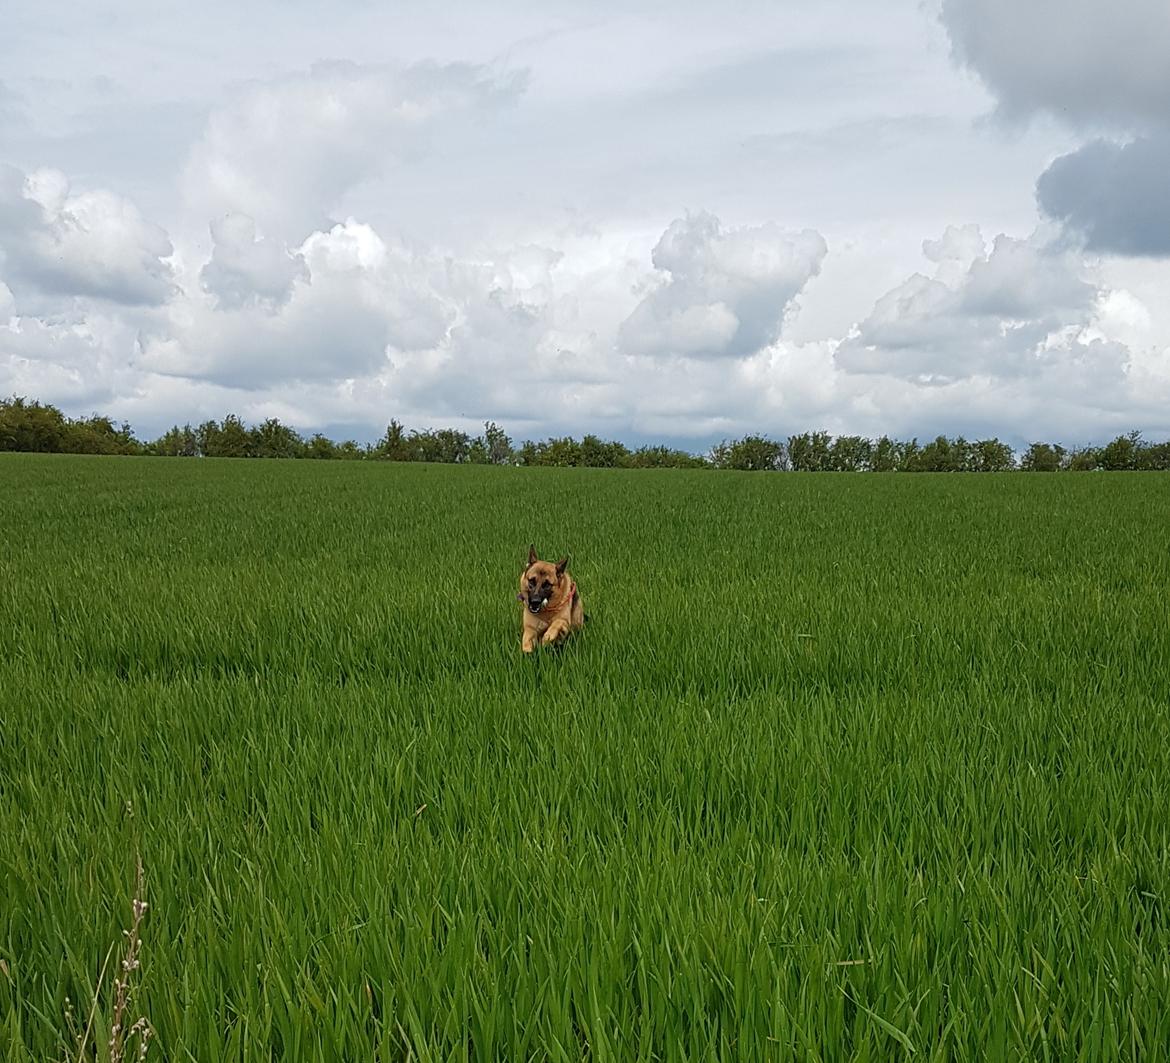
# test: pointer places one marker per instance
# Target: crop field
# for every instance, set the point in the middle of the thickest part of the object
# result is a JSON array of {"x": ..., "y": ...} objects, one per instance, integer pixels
[{"x": 842, "y": 767}]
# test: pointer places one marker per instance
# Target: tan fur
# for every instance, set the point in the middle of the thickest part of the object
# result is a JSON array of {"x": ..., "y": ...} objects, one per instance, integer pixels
[{"x": 561, "y": 615}]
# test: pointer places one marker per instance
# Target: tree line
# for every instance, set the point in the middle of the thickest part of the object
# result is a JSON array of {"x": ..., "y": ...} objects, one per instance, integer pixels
[{"x": 40, "y": 427}]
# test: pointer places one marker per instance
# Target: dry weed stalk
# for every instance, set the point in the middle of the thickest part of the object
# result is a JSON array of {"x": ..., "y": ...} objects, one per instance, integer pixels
[{"x": 121, "y": 1037}]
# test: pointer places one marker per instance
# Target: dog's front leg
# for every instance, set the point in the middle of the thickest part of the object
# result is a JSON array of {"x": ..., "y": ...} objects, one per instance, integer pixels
[
  {"x": 555, "y": 630},
  {"x": 529, "y": 643}
]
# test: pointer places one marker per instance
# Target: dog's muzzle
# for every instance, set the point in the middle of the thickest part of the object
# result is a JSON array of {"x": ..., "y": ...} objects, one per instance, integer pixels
[{"x": 536, "y": 604}]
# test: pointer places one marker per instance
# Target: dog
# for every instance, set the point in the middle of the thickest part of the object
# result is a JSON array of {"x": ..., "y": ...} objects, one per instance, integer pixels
[{"x": 552, "y": 604}]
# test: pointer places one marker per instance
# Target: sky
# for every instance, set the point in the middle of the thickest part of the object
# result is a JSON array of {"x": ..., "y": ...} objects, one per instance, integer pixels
[{"x": 668, "y": 222}]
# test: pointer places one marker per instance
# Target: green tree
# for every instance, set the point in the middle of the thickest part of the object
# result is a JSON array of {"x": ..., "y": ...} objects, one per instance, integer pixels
[
  {"x": 207, "y": 439},
  {"x": 809, "y": 452},
  {"x": 564, "y": 452},
  {"x": 908, "y": 454},
  {"x": 603, "y": 454},
  {"x": 233, "y": 439},
  {"x": 1043, "y": 457},
  {"x": 1154, "y": 457},
  {"x": 1082, "y": 459},
  {"x": 176, "y": 442},
  {"x": 530, "y": 453},
  {"x": 394, "y": 445},
  {"x": 271, "y": 439},
  {"x": 850, "y": 454},
  {"x": 940, "y": 455},
  {"x": 31, "y": 426},
  {"x": 446, "y": 445},
  {"x": 752, "y": 453},
  {"x": 663, "y": 458},
  {"x": 497, "y": 444},
  {"x": 477, "y": 451},
  {"x": 1122, "y": 453},
  {"x": 97, "y": 434},
  {"x": 320, "y": 447},
  {"x": 886, "y": 456},
  {"x": 991, "y": 455}
]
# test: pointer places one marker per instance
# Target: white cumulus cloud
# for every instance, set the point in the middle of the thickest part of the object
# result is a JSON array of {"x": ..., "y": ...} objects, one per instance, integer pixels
[
  {"x": 357, "y": 300},
  {"x": 721, "y": 292},
  {"x": 285, "y": 151},
  {"x": 986, "y": 311},
  {"x": 58, "y": 243}
]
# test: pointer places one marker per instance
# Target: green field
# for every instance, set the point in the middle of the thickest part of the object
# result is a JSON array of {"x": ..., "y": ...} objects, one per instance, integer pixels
[{"x": 842, "y": 767}]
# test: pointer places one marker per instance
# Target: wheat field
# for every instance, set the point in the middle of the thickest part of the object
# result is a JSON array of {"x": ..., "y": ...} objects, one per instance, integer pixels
[{"x": 841, "y": 768}]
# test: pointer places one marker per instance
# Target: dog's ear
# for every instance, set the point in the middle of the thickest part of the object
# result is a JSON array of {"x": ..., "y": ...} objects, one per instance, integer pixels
[
  {"x": 562, "y": 564},
  {"x": 532, "y": 558}
]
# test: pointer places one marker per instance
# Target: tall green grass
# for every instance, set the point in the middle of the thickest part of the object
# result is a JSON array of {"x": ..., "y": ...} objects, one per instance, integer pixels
[{"x": 841, "y": 768}]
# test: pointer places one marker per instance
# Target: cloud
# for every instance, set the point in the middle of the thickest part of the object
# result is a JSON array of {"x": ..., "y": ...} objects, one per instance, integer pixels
[
  {"x": 351, "y": 300},
  {"x": 1015, "y": 336},
  {"x": 444, "y": 242},
  {"x": 1004, "y": 312},
  {"x": 722, "y": 292},
  {"x": 462, "y": 336},
  {"x": 1085, "y": 61},
  {"x": 285, "y": 151},
  {"x": 91, "y": 244},
  {"x": 1116, "y": 196},
  {"x": 247, "y": 268},
  {"x": 1095, "y": 66},
  {"x": 80, "y": 359},
  {"x": 11, "y": 106}
]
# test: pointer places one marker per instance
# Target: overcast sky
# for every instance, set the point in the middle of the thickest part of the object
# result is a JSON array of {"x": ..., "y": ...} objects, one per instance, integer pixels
[{"x": 669, "y": 221}]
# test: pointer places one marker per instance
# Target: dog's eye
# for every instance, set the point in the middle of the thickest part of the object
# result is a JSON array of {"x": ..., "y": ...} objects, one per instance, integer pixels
[
  {"x": 531, "y": 581},
  {"x": 546, "y": 584}
]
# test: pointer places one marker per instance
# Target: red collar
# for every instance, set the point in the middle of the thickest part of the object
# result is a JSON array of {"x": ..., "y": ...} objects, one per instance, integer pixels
[{"x": 572, "y": 593}]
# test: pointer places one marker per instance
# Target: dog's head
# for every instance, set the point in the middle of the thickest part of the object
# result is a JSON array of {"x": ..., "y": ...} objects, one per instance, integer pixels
[{"x": 539, "y": 580}]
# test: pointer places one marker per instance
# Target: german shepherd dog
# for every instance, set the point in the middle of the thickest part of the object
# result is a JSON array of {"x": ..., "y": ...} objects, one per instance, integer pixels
[{"x": 552, "y": 604}]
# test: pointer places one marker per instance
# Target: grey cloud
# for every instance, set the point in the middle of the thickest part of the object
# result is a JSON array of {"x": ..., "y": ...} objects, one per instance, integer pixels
[
  {"x": 1116, "y": 196},
  {"x": 247, "y": 268},
  {"x": 725, "y": 292},
  {"x": 1084, "y": 61},
  {"x": 1093, "y": 64},
  {"x": 93, "y": 244}
]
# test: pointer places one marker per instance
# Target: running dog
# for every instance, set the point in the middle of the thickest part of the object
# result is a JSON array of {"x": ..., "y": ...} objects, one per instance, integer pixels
[{"x": 552, "y": 604}]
